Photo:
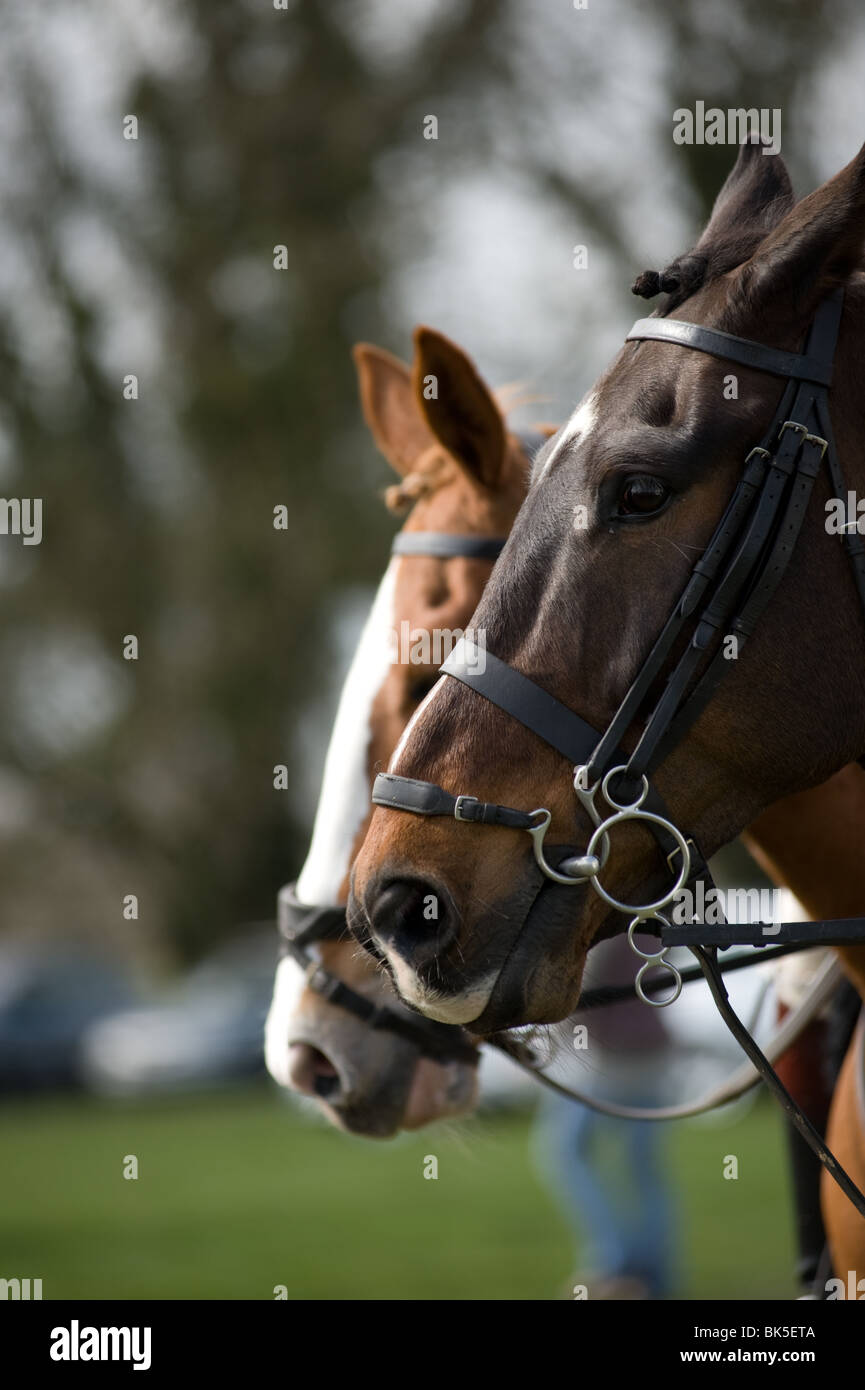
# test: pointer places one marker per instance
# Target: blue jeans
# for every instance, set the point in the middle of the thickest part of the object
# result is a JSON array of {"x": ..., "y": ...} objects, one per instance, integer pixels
[{"x": 631, "y": 1231}]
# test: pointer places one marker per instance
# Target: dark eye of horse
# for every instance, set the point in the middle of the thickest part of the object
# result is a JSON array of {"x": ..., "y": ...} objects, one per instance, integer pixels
[{"x": 642, "y": 495}]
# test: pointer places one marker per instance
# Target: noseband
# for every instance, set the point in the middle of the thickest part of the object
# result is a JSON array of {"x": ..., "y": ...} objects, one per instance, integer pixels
[{"x": 729, "y": 589}]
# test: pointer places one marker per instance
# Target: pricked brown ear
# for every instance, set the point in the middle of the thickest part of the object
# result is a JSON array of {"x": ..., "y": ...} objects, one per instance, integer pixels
[
  {"x": 389, "y": 407},
  {"x": 816, "y": 247},
  {"x": 458, "y": 406}
]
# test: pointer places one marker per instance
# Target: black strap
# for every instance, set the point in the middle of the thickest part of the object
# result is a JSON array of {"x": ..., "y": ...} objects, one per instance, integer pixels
[
  {"x": 514, "y": 693},
  {"x": 299, "y": 924},
  {"x": 441, "y": 545},
  {"x": 426, "y": 799},
  {"x": 705, "y": 571},
  {"x": 789, "y": 450},
  {"x": 708, "y": 959},
  {"x": 844, "y": 931},
  {"x": 671, "y": 717},
  {"x": 800, "y": 366},
  {"x": 553, "y": 722},
  {"x": 854, "y": 544},
  {"x": 605, "y": 995},
  {"x": 443, "y": 1042},
  {"x": 742, "y": 626}
]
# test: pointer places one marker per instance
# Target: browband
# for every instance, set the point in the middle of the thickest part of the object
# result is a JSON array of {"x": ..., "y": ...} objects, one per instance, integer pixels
[
  {"x": 800, "y": 366},
  {"x": 442, "y": 546}
]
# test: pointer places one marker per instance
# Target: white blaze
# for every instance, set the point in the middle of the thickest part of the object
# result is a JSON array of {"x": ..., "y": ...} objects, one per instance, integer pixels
[
  {"x": 579, "y": 427},
  {"x": 287, "y": 990},
  {"x": 342, "y": 805},
  {"x": 344, "y": 798}
]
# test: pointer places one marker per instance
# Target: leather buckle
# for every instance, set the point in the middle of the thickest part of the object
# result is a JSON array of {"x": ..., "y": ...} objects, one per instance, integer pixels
[
  {"x": 817, "y": 439},
  {"x": 458, "y": 807},
  {"x": 696, "y": 856},
  {"x": 755, "y": 465},
  {"x": 793, "y": 425}
]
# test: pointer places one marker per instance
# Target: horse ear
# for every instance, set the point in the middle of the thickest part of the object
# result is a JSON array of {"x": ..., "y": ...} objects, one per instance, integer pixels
[
  {"x": 757, "y": 194},
  {"x": 459, "y": 408},
  {"x": 389, "y": 407},
  {"x": 815, "y": 248}
]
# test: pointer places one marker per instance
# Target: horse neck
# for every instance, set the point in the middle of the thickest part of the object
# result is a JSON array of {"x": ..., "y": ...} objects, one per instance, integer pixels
[
  {"x": 812, "y": 842},
  {"x": 343, "y": 803}
]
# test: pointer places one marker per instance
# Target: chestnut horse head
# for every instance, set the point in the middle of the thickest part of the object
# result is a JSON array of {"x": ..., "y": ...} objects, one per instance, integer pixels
[
  {"x": 622, "y": 503},
  {"x": 462, "y": 475}
]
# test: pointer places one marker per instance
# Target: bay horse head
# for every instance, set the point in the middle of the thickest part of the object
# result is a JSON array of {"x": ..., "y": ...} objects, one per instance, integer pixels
[
  {"x": 642, "y": 493},
  {"x": 462, "y": 477}
]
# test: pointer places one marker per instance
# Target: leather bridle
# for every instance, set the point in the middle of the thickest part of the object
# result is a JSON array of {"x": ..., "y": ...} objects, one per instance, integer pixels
[{"x": 729, "y": 589}]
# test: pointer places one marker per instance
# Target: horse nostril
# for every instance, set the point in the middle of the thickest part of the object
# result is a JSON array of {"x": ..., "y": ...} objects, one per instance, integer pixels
[
  {"x": 311, "y": 1073},
  {"x": 327, "y": 1085},
  {"x": 413, "y": 919}
]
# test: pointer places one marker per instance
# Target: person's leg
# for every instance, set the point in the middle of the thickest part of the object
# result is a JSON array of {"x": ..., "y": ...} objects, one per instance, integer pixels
[
  {"x": 566, "y": 1133},
  {"x": 651, "y": 1237}
]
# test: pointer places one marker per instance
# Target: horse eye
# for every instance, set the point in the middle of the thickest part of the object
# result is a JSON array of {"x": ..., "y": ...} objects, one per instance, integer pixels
[{"x": 642, "y": 495}]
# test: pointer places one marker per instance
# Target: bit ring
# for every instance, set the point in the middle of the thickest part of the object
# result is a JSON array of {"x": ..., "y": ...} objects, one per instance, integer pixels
[
  {"x": 651, "y": 959},
  {"x": 641, "y": 909}
]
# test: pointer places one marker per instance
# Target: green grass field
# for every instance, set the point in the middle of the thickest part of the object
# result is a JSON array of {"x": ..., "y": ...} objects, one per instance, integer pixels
[{"x": 236, "y": 1194}]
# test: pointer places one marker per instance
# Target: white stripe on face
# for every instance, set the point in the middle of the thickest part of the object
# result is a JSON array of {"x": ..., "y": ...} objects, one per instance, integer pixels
[
  {"x": 288, "y": 987},
  {"x": 344, "y": 798},
  {"x": 579, "y": 427},
  {"x": 342, "y": 805},
  {"x": 424, "y": 704}
]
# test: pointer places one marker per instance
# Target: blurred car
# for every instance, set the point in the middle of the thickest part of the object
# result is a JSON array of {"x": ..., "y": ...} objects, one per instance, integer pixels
[
  {"x": 207, "y": 1031},
  {"x": 49, "y": 997}
]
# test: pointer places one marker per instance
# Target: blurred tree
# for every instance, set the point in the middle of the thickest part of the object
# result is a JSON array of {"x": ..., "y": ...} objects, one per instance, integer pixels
[
  {"x": 153, "y": 257},
  {"x": 159, "y": 510}
]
